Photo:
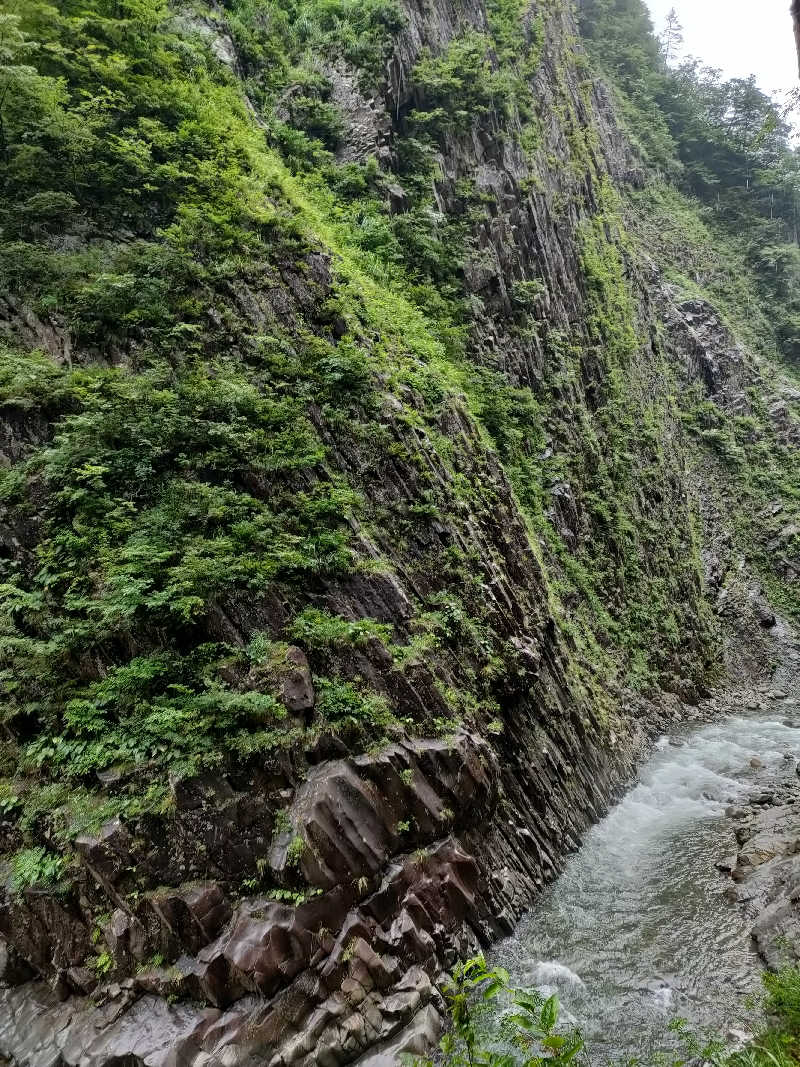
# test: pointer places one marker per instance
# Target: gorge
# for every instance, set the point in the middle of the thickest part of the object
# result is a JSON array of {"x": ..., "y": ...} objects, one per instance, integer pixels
[{"x": 399, "y": 431}]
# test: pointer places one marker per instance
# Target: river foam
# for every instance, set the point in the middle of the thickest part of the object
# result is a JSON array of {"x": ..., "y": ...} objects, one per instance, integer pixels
[{"x": 637, "y": 928}]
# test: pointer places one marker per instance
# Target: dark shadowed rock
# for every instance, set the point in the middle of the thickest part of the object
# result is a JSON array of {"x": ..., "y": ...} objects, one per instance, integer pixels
[{"x": 297, "y": 689}]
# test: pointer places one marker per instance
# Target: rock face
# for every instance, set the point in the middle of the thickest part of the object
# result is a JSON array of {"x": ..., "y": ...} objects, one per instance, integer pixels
[
  {"x": 398, "y": 897},
  {"x": 764, "y": 864},
  {"x": 766, "y": 868},
  {"x": 302, "y": 911}
]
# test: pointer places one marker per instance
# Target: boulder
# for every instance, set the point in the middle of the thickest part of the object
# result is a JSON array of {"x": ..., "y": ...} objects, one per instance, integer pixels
[{"x": 297, "y": 689}]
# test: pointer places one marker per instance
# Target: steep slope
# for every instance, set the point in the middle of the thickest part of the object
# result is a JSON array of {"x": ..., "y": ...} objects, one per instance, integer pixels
[{"x": 361, "y": 520}]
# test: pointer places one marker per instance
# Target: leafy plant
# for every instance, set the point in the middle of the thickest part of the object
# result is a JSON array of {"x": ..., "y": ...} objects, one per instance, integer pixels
[
  {"x": 103, "y": 963},
  {"x": 457, "y": 85},
  {"x": 36, "y": 867},
  {"x": 529, "y": 1025},
  {"x": 296, "y": 850},
  {"x": 318, "y": 629},
  {"x": 295, "y": 897}
]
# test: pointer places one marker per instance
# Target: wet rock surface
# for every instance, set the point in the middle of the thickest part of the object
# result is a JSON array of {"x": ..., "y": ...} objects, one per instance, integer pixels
[
  {"x": 766, "y": 870},
  {"x": 764, "y": 862}
]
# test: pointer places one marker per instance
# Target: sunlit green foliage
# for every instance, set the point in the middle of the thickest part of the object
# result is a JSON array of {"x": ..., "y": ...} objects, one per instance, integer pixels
[{"x": 157, "y": 484}]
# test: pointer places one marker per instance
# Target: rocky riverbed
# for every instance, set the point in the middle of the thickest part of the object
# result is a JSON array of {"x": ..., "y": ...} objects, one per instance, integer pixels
[
  {"x": 686, "y": 890},
  {"x": 764, "y": 863}
]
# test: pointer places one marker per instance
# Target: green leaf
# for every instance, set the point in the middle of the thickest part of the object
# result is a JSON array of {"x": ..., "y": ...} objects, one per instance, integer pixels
[{"x": 549, "y": 1016}]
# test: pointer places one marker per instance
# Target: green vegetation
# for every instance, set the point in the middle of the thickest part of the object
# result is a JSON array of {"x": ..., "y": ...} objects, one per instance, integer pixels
[
  {"x": 725, "y": 231},
  {"x": 493, "y": 1024},
  {"x": 458, "y": 86},
  {"x": 36, "y": 867},
  {"x": 529, "y": 1025},
  {"x": 234, "y": 339},
  {"x": 159, "y": 488},
  {"x": 176, "y": 475},
  {"x": 293, "y": 897},
  {"x": 724, "y": 142},
  {"x": 319, "y": 630},
  {"x": 178, "y": 465}
]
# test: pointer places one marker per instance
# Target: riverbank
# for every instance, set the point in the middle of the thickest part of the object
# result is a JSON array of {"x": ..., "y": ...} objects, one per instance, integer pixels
[
  {"x": 765, "y": 864},
  {"x": 642, "y": 926}
]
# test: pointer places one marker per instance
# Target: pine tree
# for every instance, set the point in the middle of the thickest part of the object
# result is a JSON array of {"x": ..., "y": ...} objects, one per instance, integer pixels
[{"x": 671, "y": 38}]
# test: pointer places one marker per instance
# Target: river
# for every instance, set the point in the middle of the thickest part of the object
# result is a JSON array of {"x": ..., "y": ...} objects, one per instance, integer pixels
[{"x": 637, "y": 929}]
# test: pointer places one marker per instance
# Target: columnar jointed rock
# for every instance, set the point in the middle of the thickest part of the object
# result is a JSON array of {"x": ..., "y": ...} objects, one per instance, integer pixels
[{"x": 302, "y": 912}]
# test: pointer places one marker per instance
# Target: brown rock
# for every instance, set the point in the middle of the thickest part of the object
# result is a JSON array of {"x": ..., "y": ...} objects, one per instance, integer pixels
[{"x": 297, "y": 690}]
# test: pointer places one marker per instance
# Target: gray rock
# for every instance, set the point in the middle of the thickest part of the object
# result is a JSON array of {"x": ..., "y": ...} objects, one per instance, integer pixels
[
  {"x": 416, "y": 1038},
  {"x": 297, "y": 688}
]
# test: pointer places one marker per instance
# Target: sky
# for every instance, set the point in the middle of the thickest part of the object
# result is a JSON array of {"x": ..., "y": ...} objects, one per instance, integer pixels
[{"x": 738, "y": 36}]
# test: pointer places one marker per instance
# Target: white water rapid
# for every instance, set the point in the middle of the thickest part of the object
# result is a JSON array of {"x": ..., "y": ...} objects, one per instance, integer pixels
[{"x": 637, "y": 930}]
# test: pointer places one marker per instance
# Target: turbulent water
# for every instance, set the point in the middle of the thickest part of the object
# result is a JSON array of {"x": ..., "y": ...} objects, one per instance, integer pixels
[{"x": 637, "y": 930}]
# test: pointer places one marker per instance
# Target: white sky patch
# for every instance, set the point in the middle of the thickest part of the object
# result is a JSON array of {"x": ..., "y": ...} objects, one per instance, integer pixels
[{"x": 737, "y": 36}]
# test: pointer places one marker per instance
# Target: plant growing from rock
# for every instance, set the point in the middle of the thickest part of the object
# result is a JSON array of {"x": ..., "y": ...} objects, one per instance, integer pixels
[
  {"x": 36, "y": 867},
  {"x": 295, "y": 851}
]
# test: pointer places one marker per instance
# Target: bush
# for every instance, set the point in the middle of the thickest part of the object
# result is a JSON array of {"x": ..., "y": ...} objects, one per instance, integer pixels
[
  {"x": 36, "y": 867},
  {"x": 319, "y": 630},
  {"x": 347, "y": 706},
  {"x": 528, "y": 1023},
  {"x": 456, "y": 87}
]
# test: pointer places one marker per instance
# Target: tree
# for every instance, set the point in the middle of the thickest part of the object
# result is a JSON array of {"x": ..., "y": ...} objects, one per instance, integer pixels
[
  {"x": 671, "y": 38},
  {"x": 27, "y": 98}
]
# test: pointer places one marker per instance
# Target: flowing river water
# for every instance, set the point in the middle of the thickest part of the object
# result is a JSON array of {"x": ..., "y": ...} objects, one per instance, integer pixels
[{"x": 637, "y": 929}]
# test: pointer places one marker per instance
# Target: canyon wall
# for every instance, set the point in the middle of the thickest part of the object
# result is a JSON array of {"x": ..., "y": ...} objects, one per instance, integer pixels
[{"x": 527, "y": 564}]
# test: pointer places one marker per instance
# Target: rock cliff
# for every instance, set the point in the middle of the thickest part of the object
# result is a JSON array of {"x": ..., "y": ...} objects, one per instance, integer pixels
[{"x": 482, "y": 554}]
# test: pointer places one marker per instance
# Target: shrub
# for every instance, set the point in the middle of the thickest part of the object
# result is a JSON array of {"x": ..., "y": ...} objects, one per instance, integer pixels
[
  {"x": 456, "y": 87},
  {"x": 344, "y": 704},
  {"x": 318, "y": 629},
  {"x": 36, "y": 867},
  {"x": 529, "y": 1025}
]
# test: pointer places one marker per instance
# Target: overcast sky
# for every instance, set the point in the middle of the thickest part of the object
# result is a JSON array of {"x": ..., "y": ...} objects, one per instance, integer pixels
[{"x": 738, "y": 36}]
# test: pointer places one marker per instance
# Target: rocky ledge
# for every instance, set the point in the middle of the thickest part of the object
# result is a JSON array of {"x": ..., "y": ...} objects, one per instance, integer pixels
[
  {"x": 405, "y": 877},
  {"x": 765, "y": 864}
]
